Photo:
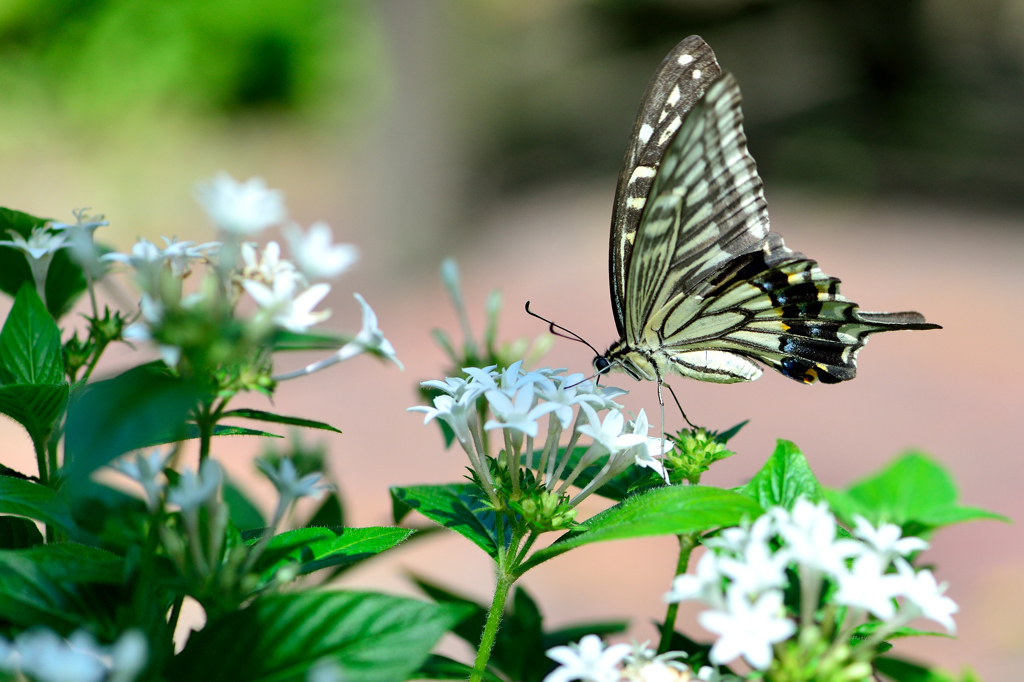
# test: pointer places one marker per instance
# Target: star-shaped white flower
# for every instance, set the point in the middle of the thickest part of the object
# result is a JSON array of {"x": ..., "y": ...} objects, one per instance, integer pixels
[
  {"x": 748, "y": 629},
  {"x": 241, "y": 208},
  {"x": 459, "y": 413},
  {"x": 705, "y": 584},
  {"x": 756, "y": 570},
  {"x": 517, "y": 413},
  {"x": 195, "y": 489},
  {"x": 145, "y": 469},
  {"x": 267, "y": 266},
  {"x": 289, "y": 308},
  {"x": 588, "y": 661},
  {"x": 887, "y": 540},
  {"x": 371, "y": 338},
  {"x": 608, "y": 433},
  {"x": 810, "y": 535},
  {"x": 867, "y": 586},
  {"x": 316, "y": 254},
  {"x": 925, "y": 596},
  {"x": 289, "y": 486}
]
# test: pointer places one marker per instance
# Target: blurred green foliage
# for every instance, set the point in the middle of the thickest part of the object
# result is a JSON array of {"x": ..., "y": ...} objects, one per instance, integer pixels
[{"x": 98, "y": 61}]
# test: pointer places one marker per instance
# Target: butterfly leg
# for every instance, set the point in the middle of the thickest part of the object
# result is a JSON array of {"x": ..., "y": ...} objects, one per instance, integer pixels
[{"x": 677, "y": 405}]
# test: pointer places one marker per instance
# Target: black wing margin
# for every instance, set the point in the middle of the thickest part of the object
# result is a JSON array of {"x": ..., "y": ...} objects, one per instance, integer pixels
[{"x": 677, "y": 85}]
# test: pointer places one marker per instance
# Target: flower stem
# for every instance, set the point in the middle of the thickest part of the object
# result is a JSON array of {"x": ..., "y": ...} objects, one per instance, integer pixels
[
  {"x": 687, "y": 542},
  {"x": 483, "y": 654},
  {"x": 40, "y": 448}
]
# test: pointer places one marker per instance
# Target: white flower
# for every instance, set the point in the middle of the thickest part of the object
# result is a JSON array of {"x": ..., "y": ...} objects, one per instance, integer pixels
[
  {"x": 757, "y": 570},
  {"x": 39, "y": 248},
  {"x": 887, "y": 540},
  {"x": 147, "y": 258},
  {"x": 195, "y": 489},
  {"x": 241, "y": 208},
  {"x": 289, "y": 486},
  {"x": 868, "y": 587},
  {"x": 609, "y": 432},
  {"x": 152, "y": 313},
  {"x": 370, "y": 338},
  {"x": 810, "y": 535},
  {"x": 746, "y": 629},
  {"x": 268, "y": 266},
  {"x": 145, "y": 469},
  {"x": 924, "y": 596},
  {"x": 316, "y": 255},
  {"x": 645, "y": 665},
  {"x": 705, "y": 584},
  {"x": 600, "y": 397},
  {"x": 519, "y": 414},
  {"x": 80, "y": 240},
  {"x": 645, "y": 452},
  {"x": 289, "y": 308},
  {"x": 588, "y": 661},
  {"x": 46, "y": 657},
  {"x": 458, "y": 413}
]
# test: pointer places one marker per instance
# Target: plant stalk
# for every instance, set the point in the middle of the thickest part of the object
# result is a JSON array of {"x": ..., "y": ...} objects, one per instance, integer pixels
[
  {"x": 687, "y": 542},
  {"x": 483, "y": 654}
]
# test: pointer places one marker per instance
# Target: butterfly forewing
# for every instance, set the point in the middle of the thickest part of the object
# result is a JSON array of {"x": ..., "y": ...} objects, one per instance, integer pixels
[
  {"x": 705, "y": 209},
  {"x": 675, "y": 89}
]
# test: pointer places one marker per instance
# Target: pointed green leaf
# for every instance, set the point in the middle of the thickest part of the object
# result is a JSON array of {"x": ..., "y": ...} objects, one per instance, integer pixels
[
  {"x": 30, "y": 350},
  {"x": 900, "y": 670},
  {"x": 35, "y": 501},
  {"x": 133, "y": 410},
  {"x": 915, "y": 492},
  {"x": 37, "y": 407},
  {"x": 18, "y": 533},
  {"x": 191, "y": 432},
  {"x": 470, "y": 627},
  {"x": 670, "y": 510},
  {"x": 369, "y": 637},
  {"x": 286, "y": 340},
  {"x": 460, "y": 507},
  {"x": 65, "y": 280},
  {"x": 244, "y": 514},
  {"x": 785, "y": 477},
  {"x": 73, "y": 563},
  {"x": 260, "y": 415}
]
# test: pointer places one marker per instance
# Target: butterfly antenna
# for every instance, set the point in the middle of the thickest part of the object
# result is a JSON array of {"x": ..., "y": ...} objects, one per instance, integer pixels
[
  {"x": 573, "y": 336},
  {"x": 692, "y": 426}
]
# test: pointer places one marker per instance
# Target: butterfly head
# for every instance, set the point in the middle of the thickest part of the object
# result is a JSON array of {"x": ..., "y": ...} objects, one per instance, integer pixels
[{"x": 602, "y": 365}]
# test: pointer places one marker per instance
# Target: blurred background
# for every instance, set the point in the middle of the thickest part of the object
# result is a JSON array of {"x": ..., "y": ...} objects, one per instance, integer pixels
[{"x": 890, "y": 135}]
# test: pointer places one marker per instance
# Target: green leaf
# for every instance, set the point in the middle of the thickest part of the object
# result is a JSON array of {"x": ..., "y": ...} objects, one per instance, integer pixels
[
  {"x": 670, "y": 510},
  {"x": 472, "y": 625},
  {"x": 30, "y": 597},
  {"x": 914, "y": 492},
  {"x": 317, "y": 548},
  {"x": 36, "y": 501},
  {"x": 191, "y": 432},
  {"x": 785, "y": 477},
  {"x": 331, "y": 513},
  {"x": 900, "y": 670},
  {"x": 131, "y": 411},
  {"x": 370, "y": 637},
  {"x": 864, "y": 630},
  {"x": 30, "y": 350},
  {"x": 260, "y": 415},
  {"x": 725, "y": 436},
  {"x": 438, "y": 667},
  {"x": 65, "y": 280},
  {"x": 37, "y": 407},
  {"x": 460, "y": 507},
  {"x": 18, "y": 533},
  {"x": 244, "y": 514},
  {"x": 71, "y": 562}
]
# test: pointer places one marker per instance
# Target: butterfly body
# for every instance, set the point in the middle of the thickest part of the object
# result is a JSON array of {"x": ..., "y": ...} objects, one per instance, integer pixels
[{"x": 700, "y": 286}]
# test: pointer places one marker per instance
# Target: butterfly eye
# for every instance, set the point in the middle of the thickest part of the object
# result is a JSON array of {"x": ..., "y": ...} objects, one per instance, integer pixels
[{"x": 601, "y": 364}]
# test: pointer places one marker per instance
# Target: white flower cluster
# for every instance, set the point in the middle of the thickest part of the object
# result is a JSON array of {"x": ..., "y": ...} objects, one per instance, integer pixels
[
  {"x": 286, "y": 292},
  {"x": 44, "y": 656},
  {"x": 517, "y": 401},
  {"x": 590, "y": 661},
  {"x": 744, "y": 573}
]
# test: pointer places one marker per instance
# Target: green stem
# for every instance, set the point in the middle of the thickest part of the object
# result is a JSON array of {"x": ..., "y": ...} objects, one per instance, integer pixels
[
  {"x": 44, "y": 471},
  {"x": 483, "y": 654},
  {"x": 687, "y": 542},
  {"x": 101, "y": 346}
]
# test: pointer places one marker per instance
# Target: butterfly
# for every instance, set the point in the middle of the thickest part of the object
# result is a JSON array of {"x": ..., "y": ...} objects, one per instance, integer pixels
[{"x": 700, "y": 286}]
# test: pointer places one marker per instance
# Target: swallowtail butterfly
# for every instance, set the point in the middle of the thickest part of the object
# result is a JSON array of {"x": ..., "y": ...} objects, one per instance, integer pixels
[{"x": 700, "y": 286}]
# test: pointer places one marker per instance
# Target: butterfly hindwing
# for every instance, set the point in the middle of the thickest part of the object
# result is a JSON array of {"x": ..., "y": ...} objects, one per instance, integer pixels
[{"x": 677, "y": 85}]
